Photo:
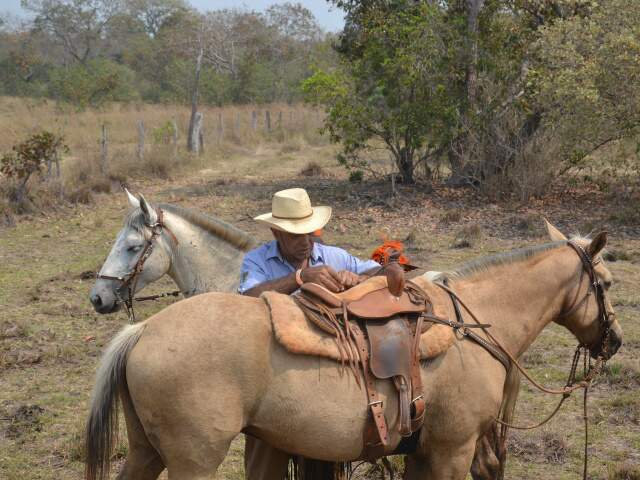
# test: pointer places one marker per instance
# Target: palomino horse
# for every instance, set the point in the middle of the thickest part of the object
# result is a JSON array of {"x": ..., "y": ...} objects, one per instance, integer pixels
[
  {"x": 200, "y": 253},
  {"x": 195, "y": 375}
]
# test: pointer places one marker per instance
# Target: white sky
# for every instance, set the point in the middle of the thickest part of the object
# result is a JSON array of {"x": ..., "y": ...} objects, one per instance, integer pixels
[{"x": 329, "y": 18}]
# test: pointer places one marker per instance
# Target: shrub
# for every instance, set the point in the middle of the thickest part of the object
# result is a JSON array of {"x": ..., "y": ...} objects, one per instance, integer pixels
[
  {"x": 312, "y": 169},
  {"x": 29, "y": 158}
]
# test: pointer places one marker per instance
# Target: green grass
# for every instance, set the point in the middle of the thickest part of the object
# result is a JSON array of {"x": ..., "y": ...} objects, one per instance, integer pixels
[{"x": 42, "y": 293}]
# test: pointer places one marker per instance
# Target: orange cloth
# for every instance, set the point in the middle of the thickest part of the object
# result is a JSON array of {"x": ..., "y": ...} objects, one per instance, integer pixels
[{"x": 384, "y": 252}]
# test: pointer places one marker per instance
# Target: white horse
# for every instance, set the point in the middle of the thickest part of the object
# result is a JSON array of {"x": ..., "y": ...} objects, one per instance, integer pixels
[{"x": 200, "y": 253}]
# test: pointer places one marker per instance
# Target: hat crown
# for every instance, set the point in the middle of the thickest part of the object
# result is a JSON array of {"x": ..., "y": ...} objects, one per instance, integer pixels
[{"x": 293, "y": 203}]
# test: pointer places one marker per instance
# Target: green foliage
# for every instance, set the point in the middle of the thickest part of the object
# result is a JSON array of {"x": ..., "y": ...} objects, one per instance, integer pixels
[
  {"x": 93, "y": 84},
  {"x": 392, "y": 87},
  {"x": 88, "y": 52},
  {"x": 163, "y": 134},
  {"x": 30, "y": 157},
  {"x": 507, "y": 95},
  {"x": 585, "y": 76}
]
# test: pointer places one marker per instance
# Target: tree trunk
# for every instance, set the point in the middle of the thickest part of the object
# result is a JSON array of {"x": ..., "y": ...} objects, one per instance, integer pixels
[
  {"x": 197, "y": 145},
  {"x": 458, "y": 146},
  {"x": 192, "y": 137},
  {"x": 404, "y": 161}
]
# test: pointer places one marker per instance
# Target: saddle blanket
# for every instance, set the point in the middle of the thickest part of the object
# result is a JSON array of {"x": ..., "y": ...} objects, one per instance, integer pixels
[{"x": 298, "y": 335}]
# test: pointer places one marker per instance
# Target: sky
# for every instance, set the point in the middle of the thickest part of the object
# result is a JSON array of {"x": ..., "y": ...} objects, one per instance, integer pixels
[{"x": 329, "y": 17}]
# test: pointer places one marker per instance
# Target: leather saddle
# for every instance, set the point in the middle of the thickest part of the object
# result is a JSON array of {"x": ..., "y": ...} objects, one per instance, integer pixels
[{"x": 381, "y": 320}]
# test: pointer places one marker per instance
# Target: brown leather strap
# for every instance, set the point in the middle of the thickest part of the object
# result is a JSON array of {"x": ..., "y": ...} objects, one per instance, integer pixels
[
  {"x": 376, "y": 440},
  {"x": 416, "y": 381}
]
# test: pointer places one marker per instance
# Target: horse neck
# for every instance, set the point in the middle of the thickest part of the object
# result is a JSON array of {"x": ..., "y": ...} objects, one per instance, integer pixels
[
  {"x": 200, "y": 261},
  {"x": 521, "y": 298}
]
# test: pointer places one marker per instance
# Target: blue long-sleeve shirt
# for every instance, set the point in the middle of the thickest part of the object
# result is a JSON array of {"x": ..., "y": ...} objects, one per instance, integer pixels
[{"x": 265, "y": 263}]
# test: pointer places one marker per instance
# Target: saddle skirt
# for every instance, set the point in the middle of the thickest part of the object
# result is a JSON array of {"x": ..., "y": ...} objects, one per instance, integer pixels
[{"x": 298, "y": 335}]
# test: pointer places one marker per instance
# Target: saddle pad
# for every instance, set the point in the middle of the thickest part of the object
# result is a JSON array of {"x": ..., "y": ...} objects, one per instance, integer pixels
[{"x": 296, "y": 334}]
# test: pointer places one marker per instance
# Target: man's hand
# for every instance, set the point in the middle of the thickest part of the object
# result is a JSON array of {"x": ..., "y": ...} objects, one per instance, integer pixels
[
  {"x": 327, "y": 277},
  {"x": 348, "y": 279}
]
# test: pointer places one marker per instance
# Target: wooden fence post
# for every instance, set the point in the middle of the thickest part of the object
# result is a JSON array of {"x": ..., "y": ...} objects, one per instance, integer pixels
[
  {"x": 220, "y": 127},
  {"x": 175, "y": 139},
  {"x": 140, "y": 148},
  {"x": 196, "y": 141},
  {"x": 279, "y": 120},
  {"x": 267, "y": 121},
  {"x": 104, "y": 141},
  {"x": 238, "y": 120},
  {"x": 254, "y": 120}
]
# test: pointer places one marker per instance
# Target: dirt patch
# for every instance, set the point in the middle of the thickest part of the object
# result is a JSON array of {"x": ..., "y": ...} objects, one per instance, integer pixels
[
  {"x": 550, "y": 448},
  {"x": 25, "y": 419},
  {"x": 12, "y": 330},
  {"x": 20, "y": 357}
]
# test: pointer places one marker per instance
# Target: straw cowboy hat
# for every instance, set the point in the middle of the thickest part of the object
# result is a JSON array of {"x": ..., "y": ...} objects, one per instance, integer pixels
[{"x": 291, "y": 211}]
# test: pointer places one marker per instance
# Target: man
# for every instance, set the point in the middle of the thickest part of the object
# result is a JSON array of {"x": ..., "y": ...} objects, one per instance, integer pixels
[{"x": 282, "y": 265}]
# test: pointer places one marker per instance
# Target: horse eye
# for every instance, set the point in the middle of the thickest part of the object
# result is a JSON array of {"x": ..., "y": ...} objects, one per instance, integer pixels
[{"x": 134, "y": 248}]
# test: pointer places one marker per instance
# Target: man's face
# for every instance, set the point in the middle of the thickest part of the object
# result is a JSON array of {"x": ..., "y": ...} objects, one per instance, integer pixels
[{"x": 293, "y": 246}]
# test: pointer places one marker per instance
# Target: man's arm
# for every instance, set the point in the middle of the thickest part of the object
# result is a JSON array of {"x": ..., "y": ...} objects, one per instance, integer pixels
[
  {"x": 322, "y": 275},
  {"x": 285, "y": 285}
]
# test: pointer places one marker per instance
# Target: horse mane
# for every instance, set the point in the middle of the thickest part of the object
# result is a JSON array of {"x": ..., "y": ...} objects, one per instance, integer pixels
[
  {"x": 485, "y": 264},
  {"x": 218, "y": 228}
]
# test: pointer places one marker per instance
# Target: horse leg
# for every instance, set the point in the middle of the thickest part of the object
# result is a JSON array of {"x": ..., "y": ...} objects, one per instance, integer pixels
[
  {"x": 441, "y": 462},
  {"x": 486, "y": 465},
  {"x": 143, "y": 461},
  {"x": 262, "y": 461}
]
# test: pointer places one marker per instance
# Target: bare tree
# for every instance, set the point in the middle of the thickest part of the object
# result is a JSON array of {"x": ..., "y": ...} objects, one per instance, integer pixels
[
  {"x": 212, "y": 41},
  {"x": 154, "y": 14},
  {"x": 78, "y": 26}
]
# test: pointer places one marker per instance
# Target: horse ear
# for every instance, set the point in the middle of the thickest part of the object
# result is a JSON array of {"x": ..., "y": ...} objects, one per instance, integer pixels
[
  {"x": 597, "y": 244},
  {"x": 555, "y": 234},
  {"x": 150, "y": 215},
  {"x": 133, "y": 201}
]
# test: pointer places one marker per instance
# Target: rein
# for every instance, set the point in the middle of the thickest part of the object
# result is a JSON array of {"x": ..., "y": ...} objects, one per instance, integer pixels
[
  {"x": 130, "y": 279},
  {"x": 589, "y": 372}
]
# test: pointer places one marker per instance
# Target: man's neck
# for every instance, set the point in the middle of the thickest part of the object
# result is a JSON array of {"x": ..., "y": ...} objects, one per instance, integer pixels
[{"x": 295, "y": 262}]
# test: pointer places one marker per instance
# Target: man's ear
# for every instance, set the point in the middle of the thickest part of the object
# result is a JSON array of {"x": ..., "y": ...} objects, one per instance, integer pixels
[
  {"x": 555, "y": 234},
  {"x": 597, "y": 244}
]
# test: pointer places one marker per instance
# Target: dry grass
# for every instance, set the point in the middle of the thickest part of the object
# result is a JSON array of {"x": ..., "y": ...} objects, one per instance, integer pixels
[
  {"x": 227, "y": 130},
  {"x": 51, "y": 339}
]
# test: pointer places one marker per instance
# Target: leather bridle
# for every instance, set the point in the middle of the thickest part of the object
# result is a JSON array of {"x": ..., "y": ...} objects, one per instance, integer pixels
[
  {"x": 130, "y": 279},
  {"x": 604, "y": 316},
  {"x": 590, "y": 371}
]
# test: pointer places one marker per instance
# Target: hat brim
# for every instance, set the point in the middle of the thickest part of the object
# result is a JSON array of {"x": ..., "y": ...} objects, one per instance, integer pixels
[{"x": 313, "y": 222}]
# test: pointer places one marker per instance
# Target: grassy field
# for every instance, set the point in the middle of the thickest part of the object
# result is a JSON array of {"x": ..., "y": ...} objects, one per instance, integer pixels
[{"x": 51, "y": 339}]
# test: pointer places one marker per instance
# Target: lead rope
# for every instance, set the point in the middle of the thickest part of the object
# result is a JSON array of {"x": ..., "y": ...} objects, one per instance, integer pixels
[
  {"x": 589, "y": 373},
  {"x": 586, "y": 420}
]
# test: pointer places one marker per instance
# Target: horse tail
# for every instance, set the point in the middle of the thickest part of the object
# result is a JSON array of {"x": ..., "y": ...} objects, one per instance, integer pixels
[
  {"x": 102, "y": 425},
  {"x": 509, "y": 398}
]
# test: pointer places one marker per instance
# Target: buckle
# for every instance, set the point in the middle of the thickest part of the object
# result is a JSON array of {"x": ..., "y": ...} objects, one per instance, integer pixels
[{"x": 371, "y": 404}]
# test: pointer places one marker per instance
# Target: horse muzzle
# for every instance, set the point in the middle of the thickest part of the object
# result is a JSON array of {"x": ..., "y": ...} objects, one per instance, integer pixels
[
  {"x": 612, "y": 344},
  {"x": 104, "y": 301}
]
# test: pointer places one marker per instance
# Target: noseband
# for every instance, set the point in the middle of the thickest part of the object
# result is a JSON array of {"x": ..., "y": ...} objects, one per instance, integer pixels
[
  {"x": 603, "y": 315},
  {"x": 130, "y": 279}
]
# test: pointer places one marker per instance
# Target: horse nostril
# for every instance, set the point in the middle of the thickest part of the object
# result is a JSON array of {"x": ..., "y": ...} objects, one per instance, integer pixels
[{"x": 96, "y": 300}]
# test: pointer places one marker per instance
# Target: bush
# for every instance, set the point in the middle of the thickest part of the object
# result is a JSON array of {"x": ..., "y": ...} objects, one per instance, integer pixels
[
  {"x": 29, "y": 158},
  {"x": 93, "y": 84}
]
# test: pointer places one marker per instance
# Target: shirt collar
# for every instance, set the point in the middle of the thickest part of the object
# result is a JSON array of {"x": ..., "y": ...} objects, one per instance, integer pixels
[{"x": 274, "y": 252}]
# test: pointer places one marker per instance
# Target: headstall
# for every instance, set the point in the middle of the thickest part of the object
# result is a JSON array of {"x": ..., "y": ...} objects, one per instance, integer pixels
[{"x": 130, "y": 279}]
